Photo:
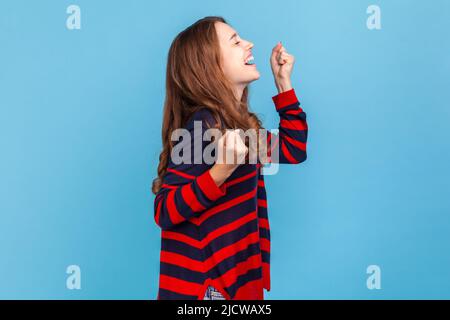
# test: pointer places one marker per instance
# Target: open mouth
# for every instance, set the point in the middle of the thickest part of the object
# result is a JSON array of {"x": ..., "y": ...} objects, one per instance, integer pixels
[{"x": 249, "y": 61}]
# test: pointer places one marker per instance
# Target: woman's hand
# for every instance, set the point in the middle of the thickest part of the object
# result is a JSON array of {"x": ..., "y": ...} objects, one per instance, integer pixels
[
  {"x": 231, "y": 151},
  {"x": 282, "y": 64}
]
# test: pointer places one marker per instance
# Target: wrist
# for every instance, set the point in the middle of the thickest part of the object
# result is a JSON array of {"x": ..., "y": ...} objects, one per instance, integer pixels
[
  {"x": 283, "y": 85},
  {"x": 221, "y": 172}
]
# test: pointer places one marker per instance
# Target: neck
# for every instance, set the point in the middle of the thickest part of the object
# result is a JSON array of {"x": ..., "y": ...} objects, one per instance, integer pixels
[{"x": 239, "y": 90}]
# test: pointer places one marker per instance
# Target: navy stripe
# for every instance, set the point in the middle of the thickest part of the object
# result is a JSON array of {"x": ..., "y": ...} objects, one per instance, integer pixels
[
  {"x": 182, "y": 273},
  {"x": 264, "y": 233},
  {"x": 253, "y": 274},
  {"x": 170, "y": 295},
  {"x": 265, "y": 256}
]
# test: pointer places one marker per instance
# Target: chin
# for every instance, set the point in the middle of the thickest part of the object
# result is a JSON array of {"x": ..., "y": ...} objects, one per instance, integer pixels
[
  {"x": 250, "y": 77},
  {"x": 255, "y": 76}
]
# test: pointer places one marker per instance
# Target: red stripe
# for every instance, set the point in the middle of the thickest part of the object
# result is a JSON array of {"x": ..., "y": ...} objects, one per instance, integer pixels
[
  {"x": 181, "y": 238},
  {"x": 168, "y": 186},
  {"x": 231, "y": 250},
  {"x": 226, "y": 205},
  {"x": 298, "y": 144},
  {"x": 209, "y": 187},
  {"x": 158, "y": 212},
  {"x": 293, "y": 124},
  {"x": 229, "y": 227},
  {"x": 275, "y": 144},
  {"x": 174, "y": 215},
  {"x": 262, "y": 203},
  {"x": 285, "y": 99},
  {"x": 182, "y": 261},
  {"x": 178, "y": 285},
  {"x": 263, "y": 223},
  {"x": 191, "y": 199},
  {"x": 265, "y": 244},
  {"x": 181, "y": 174},
  {"x": 266, "y": 275},
  {"x": 241, "y": 268},
  {"x": 294, "y": 112},
  {"x": 252, "y": 290},
  {"x": 238, "y": 180},
  {"x": 260, "y": 183},
  {"x": 287, "y": 154},
  {"x": 268, "y": 146},
  {"x": 212, "y": 235}
]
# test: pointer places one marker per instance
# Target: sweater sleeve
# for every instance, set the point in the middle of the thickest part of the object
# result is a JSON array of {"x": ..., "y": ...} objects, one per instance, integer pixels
[
  {"x": 289, "y": 144},
  {"x": 187, "y": 190}
]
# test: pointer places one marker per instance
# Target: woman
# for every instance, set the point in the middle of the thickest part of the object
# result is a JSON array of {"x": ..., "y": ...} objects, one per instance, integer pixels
[{"x": 215, "y": 230}]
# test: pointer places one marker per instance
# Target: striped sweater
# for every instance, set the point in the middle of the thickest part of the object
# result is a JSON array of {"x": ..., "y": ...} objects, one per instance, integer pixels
[{"x": 220, "y": 236}]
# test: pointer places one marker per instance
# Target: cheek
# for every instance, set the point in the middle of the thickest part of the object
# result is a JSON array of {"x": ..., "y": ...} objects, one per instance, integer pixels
[{"x": 233, "y": 64}]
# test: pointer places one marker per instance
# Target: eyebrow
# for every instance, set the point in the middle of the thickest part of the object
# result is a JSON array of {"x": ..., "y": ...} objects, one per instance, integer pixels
[{"x": 234, "y": 35}]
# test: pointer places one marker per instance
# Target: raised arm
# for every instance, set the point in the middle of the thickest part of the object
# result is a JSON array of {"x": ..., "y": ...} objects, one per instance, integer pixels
[{"x": 289, "y": 144}]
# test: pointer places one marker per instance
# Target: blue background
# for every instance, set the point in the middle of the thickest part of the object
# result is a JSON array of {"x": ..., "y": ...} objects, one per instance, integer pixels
[{"x": 80, "y": 119}]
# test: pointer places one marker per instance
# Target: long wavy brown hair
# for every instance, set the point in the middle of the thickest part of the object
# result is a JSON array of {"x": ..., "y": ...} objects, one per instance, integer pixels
[{"x": 194, "y": 79}]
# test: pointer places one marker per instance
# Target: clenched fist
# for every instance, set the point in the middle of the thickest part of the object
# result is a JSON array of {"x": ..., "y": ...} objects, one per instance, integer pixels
[
  {"x": 231, "y": 149},
  {"x": 231, "y": 152},
  {"x": 282, "y": 64}
]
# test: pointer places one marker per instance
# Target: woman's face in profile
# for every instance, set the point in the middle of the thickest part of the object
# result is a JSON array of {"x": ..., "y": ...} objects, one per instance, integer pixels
[{"x": 237, "y": 57}]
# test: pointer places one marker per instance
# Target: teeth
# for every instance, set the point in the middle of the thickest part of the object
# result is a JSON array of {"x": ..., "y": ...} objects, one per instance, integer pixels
[{"x": 251, "y": 58}]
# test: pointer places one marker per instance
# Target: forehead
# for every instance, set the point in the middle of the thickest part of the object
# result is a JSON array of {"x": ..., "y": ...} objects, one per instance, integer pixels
[{"x": 224, "y": 31}]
